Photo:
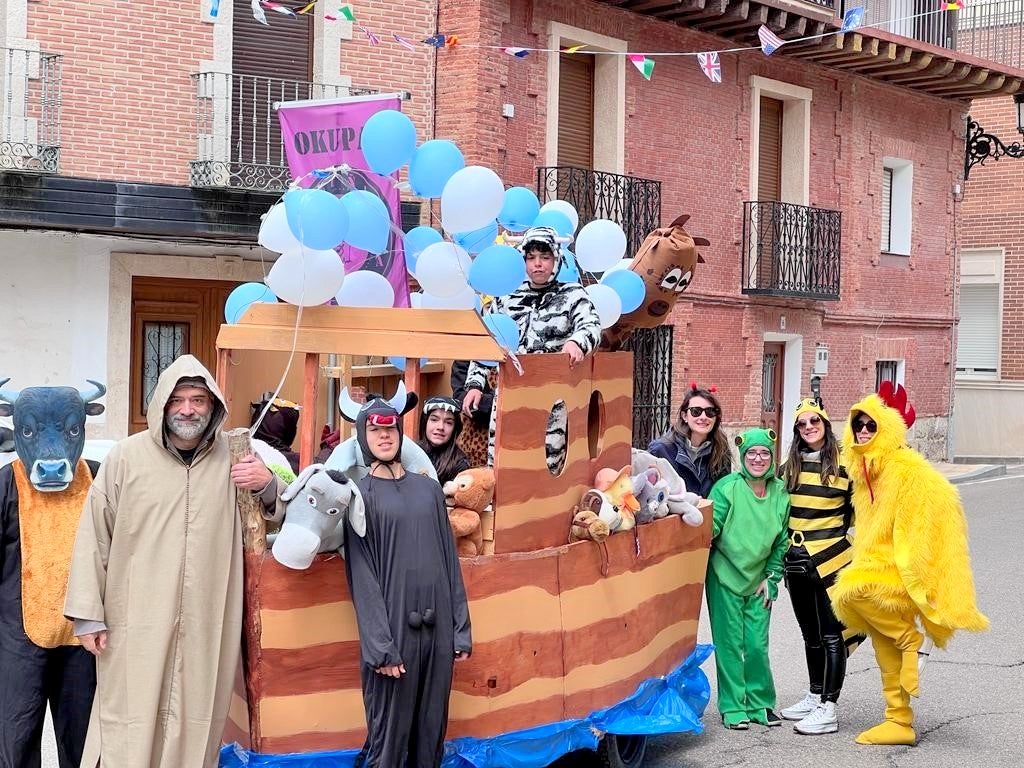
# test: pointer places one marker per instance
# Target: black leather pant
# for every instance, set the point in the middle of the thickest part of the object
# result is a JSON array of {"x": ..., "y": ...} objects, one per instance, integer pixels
[{"x": 822, "y": 631}]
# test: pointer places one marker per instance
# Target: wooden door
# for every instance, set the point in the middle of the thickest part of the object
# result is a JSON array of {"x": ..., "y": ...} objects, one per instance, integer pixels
[
  {"x": 769, "y": 188},
  {"x": 170, "y": 318},
  {"x": 771, "y": 388}
]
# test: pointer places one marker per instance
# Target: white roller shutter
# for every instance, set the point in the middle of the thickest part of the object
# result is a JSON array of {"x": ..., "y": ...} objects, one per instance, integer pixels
[
  {"x": 977, "y": 346},
  {"x": 886, "y": 209}
]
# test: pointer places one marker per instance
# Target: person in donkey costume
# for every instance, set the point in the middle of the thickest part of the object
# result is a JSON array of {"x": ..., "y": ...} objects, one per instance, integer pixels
[{"x": 410, "y": 601}]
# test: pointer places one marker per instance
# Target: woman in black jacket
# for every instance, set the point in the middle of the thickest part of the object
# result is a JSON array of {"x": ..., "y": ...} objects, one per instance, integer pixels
[{"x": 695, "y": 446}]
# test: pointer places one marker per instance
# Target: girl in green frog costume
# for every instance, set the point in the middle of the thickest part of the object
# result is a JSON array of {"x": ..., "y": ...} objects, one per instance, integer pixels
[{"x": 749, "y": 539}]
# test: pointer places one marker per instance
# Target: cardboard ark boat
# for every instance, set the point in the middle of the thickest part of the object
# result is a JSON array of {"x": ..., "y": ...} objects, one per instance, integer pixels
[{"x": 560, "y": 631}]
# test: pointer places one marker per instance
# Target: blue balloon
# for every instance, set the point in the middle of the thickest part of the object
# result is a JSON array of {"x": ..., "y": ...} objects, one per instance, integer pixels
[
  {"x": 316, "y": 218},
  {"x": 415, "y": 240},
  {"x": 568, "y": 272},
  {"x": 369, "y": 221},
  {"x": 497, "y": 270},
  {"x": 557, "y": 220},
  {"x": 630, "y": 287},
  {"x": 399, "y": 362},
  {"x": 388, "y": 141},
  {"x": 432, "y": 165},
  {"x": 504, "y": 329},
  {"x": 521, "y": 207},
  {"x": 245, "y": 296},
  {"x": 478, "y": 239}
]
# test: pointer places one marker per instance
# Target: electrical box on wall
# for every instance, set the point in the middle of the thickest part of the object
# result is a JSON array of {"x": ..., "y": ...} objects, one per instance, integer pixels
[{"x": 820, "y": 361}]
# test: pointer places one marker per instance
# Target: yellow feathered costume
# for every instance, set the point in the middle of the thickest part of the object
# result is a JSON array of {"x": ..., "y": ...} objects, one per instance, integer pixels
[{"x": 910, "y": 558}]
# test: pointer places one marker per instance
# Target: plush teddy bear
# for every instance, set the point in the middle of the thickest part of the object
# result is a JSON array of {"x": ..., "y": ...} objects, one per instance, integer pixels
[
  {"x": 469, "y": 494},
  {"x": 653, "y": 496},
  {"x": 679, "y": 501}
]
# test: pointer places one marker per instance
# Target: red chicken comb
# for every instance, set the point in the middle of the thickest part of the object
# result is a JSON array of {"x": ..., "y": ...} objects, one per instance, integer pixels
[
  {"x": 896, "y": 397},
  {"x": 694, "y": 386}
]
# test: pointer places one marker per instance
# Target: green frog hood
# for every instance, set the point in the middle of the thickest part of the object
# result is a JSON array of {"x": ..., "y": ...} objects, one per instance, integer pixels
[{"x": 756, "y": 437}]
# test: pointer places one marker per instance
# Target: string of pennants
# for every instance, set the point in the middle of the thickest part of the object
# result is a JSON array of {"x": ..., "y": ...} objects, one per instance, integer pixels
[{"x": 709, "y": 62}]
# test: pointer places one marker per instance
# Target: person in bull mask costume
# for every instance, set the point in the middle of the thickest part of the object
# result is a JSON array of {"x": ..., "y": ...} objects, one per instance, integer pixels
[
  {"x": 41, "y": 498},
  {"x": 409, "y": 598}
]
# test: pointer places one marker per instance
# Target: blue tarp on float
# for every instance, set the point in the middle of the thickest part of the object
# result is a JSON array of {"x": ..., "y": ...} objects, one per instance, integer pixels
[{"x": 671, "y": 704}]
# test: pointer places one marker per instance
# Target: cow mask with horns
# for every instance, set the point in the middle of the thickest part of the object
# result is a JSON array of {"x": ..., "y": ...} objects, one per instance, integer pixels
[{"x": 49, "y": 429}]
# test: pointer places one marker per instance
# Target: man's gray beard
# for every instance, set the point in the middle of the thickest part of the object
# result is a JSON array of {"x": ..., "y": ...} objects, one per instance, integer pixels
[{"x": 188, "y": 430}]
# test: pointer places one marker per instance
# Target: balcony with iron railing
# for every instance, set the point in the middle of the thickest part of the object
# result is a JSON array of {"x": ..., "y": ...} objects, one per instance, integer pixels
[
  {"x": 238, "y": 133},
  {"x": 632, "y": 202},
  {"x": 791, "y": 250},
  {"x": 992, "y": 30},
  {"x": 30, "y": 116}
]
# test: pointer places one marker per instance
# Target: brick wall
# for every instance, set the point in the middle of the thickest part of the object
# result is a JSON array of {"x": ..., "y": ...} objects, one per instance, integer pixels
[
  {"x": 694, "y": 137},
  {"x": 993, "y": 217},
  {"x": 128, "y": 108}
]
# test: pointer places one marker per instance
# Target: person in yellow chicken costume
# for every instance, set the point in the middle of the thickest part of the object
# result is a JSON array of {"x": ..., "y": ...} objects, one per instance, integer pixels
[{"x": 911, "y": 569}]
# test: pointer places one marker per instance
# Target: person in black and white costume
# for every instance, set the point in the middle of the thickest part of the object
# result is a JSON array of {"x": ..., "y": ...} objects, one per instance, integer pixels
[{"x": 552, "y": 317}]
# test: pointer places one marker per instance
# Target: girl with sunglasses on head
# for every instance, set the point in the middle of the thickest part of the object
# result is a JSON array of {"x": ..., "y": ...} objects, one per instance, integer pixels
[
  {"x": 440, "y": 425},
  {"x": 820, "y": 517},
  {"x": 748, "y": 540},
  {"x": 694, "y": 445}
]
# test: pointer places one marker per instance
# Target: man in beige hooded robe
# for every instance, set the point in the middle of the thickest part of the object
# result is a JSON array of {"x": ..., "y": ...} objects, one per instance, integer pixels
[{"x": 155, "y": 587}]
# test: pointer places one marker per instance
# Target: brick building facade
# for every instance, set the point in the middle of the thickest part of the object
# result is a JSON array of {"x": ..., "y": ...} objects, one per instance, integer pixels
[
  {"x": 990, "y": 365},
  {"x": 858, "y": 114}
]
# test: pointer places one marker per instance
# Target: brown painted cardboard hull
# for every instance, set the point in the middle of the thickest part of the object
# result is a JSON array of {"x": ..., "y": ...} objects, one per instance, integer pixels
[{"x": 553, "y": 638}]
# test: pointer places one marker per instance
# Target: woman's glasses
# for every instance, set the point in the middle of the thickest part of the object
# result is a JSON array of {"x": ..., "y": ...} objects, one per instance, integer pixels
[
  {"x": 811, "y": 421},
  {"x": 862, "y": 424},
  {"x": 696, "y": 410}
]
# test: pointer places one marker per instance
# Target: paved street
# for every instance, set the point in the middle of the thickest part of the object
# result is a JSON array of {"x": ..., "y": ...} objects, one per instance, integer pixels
[{"x": 970, "y": 712}]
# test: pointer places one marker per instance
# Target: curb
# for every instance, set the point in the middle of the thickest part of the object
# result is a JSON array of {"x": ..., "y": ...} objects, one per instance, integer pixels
[{"x": 997, "y": 470}]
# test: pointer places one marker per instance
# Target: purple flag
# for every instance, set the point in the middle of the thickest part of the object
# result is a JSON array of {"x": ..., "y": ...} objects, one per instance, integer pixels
[{"x": 329, "y": 134}]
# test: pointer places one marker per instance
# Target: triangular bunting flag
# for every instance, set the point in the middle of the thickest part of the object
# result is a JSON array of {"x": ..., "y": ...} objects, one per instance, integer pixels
[
  {"x": 573, "y": 48},
  {"x": 258, "y": 14},
  {"x": 434, "y": 41},
  {"x": 306, "y": 8},
  {"x": 347, "y": 12},
  {"x": 404, "y": 42},
  {"x": 711, "y": 66},
  {"x": 450, "y": 41},
  {"x": 374, "y": 40},
  {"x": 214, "y": 8},
  {"x": 770, "y": 42},
  {"x": 519, "y": 53},
  {"x": 852, "y": 19},
  {"x": 279, "y": 8},
  {"x": 643, "y": 65},
  {"x": 955, "y": 5}
]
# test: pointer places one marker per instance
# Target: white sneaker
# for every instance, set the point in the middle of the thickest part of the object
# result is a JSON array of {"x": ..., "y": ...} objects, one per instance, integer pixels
[
  {"x": 821, "y": 720},
  {"x": 802, "y": 708}
]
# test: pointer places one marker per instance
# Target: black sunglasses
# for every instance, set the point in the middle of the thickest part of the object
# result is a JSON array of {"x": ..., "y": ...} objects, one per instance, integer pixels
[
  {"x": 869, "y": 425},
  {"x": 695, "y": 411},
  {"x": 811, "y": 421}
]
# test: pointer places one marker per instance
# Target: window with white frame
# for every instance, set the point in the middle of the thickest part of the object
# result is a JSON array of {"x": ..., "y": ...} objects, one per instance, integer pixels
[
  {"x": 888, "y": 370},
  {"x": 977, "y": 342},
  {"x": 897, "y": 194}
]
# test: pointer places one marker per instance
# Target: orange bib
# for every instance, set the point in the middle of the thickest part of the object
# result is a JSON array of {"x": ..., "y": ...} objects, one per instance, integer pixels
[{"x": 48, "y": 523}]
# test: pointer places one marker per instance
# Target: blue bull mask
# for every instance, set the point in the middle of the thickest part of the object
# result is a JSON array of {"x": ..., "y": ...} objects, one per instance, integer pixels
[{"x": 49, "y": 430}]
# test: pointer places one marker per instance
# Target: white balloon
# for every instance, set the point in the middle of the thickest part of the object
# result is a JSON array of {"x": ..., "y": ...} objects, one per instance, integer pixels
[
  {"x": 307, "y": 277},
  {"x": 563, "y": 206},
  {"x": 607, "y": 303},
  {"x": 443, "y": 269},
  {"x": 472, "y": 199},
  {"x": 620, "y": 264},
  {"x": 464, "y": 299},
  {"x": 275, "y": 234},
  {"x": 599, "y": 245},
  {"x": 366, "y": 289}
]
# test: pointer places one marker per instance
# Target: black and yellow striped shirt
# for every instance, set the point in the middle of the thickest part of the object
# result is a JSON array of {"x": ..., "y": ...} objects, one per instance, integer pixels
[{"x": 820, "y": 516}]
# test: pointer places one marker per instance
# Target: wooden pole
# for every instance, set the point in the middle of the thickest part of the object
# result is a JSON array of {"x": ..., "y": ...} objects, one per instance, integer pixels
[
  {"x": 308, "y": 421},
  {"x": 411, "y": 426},
  {"x": 254, "y": 529}
]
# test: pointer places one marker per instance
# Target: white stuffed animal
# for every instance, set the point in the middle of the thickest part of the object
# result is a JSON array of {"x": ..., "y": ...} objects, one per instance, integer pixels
[{"x": 680, "y": 501}]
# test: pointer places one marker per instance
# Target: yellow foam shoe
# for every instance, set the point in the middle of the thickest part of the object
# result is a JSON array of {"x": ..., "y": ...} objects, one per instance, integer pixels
[{"x": 889, "y": 734}]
